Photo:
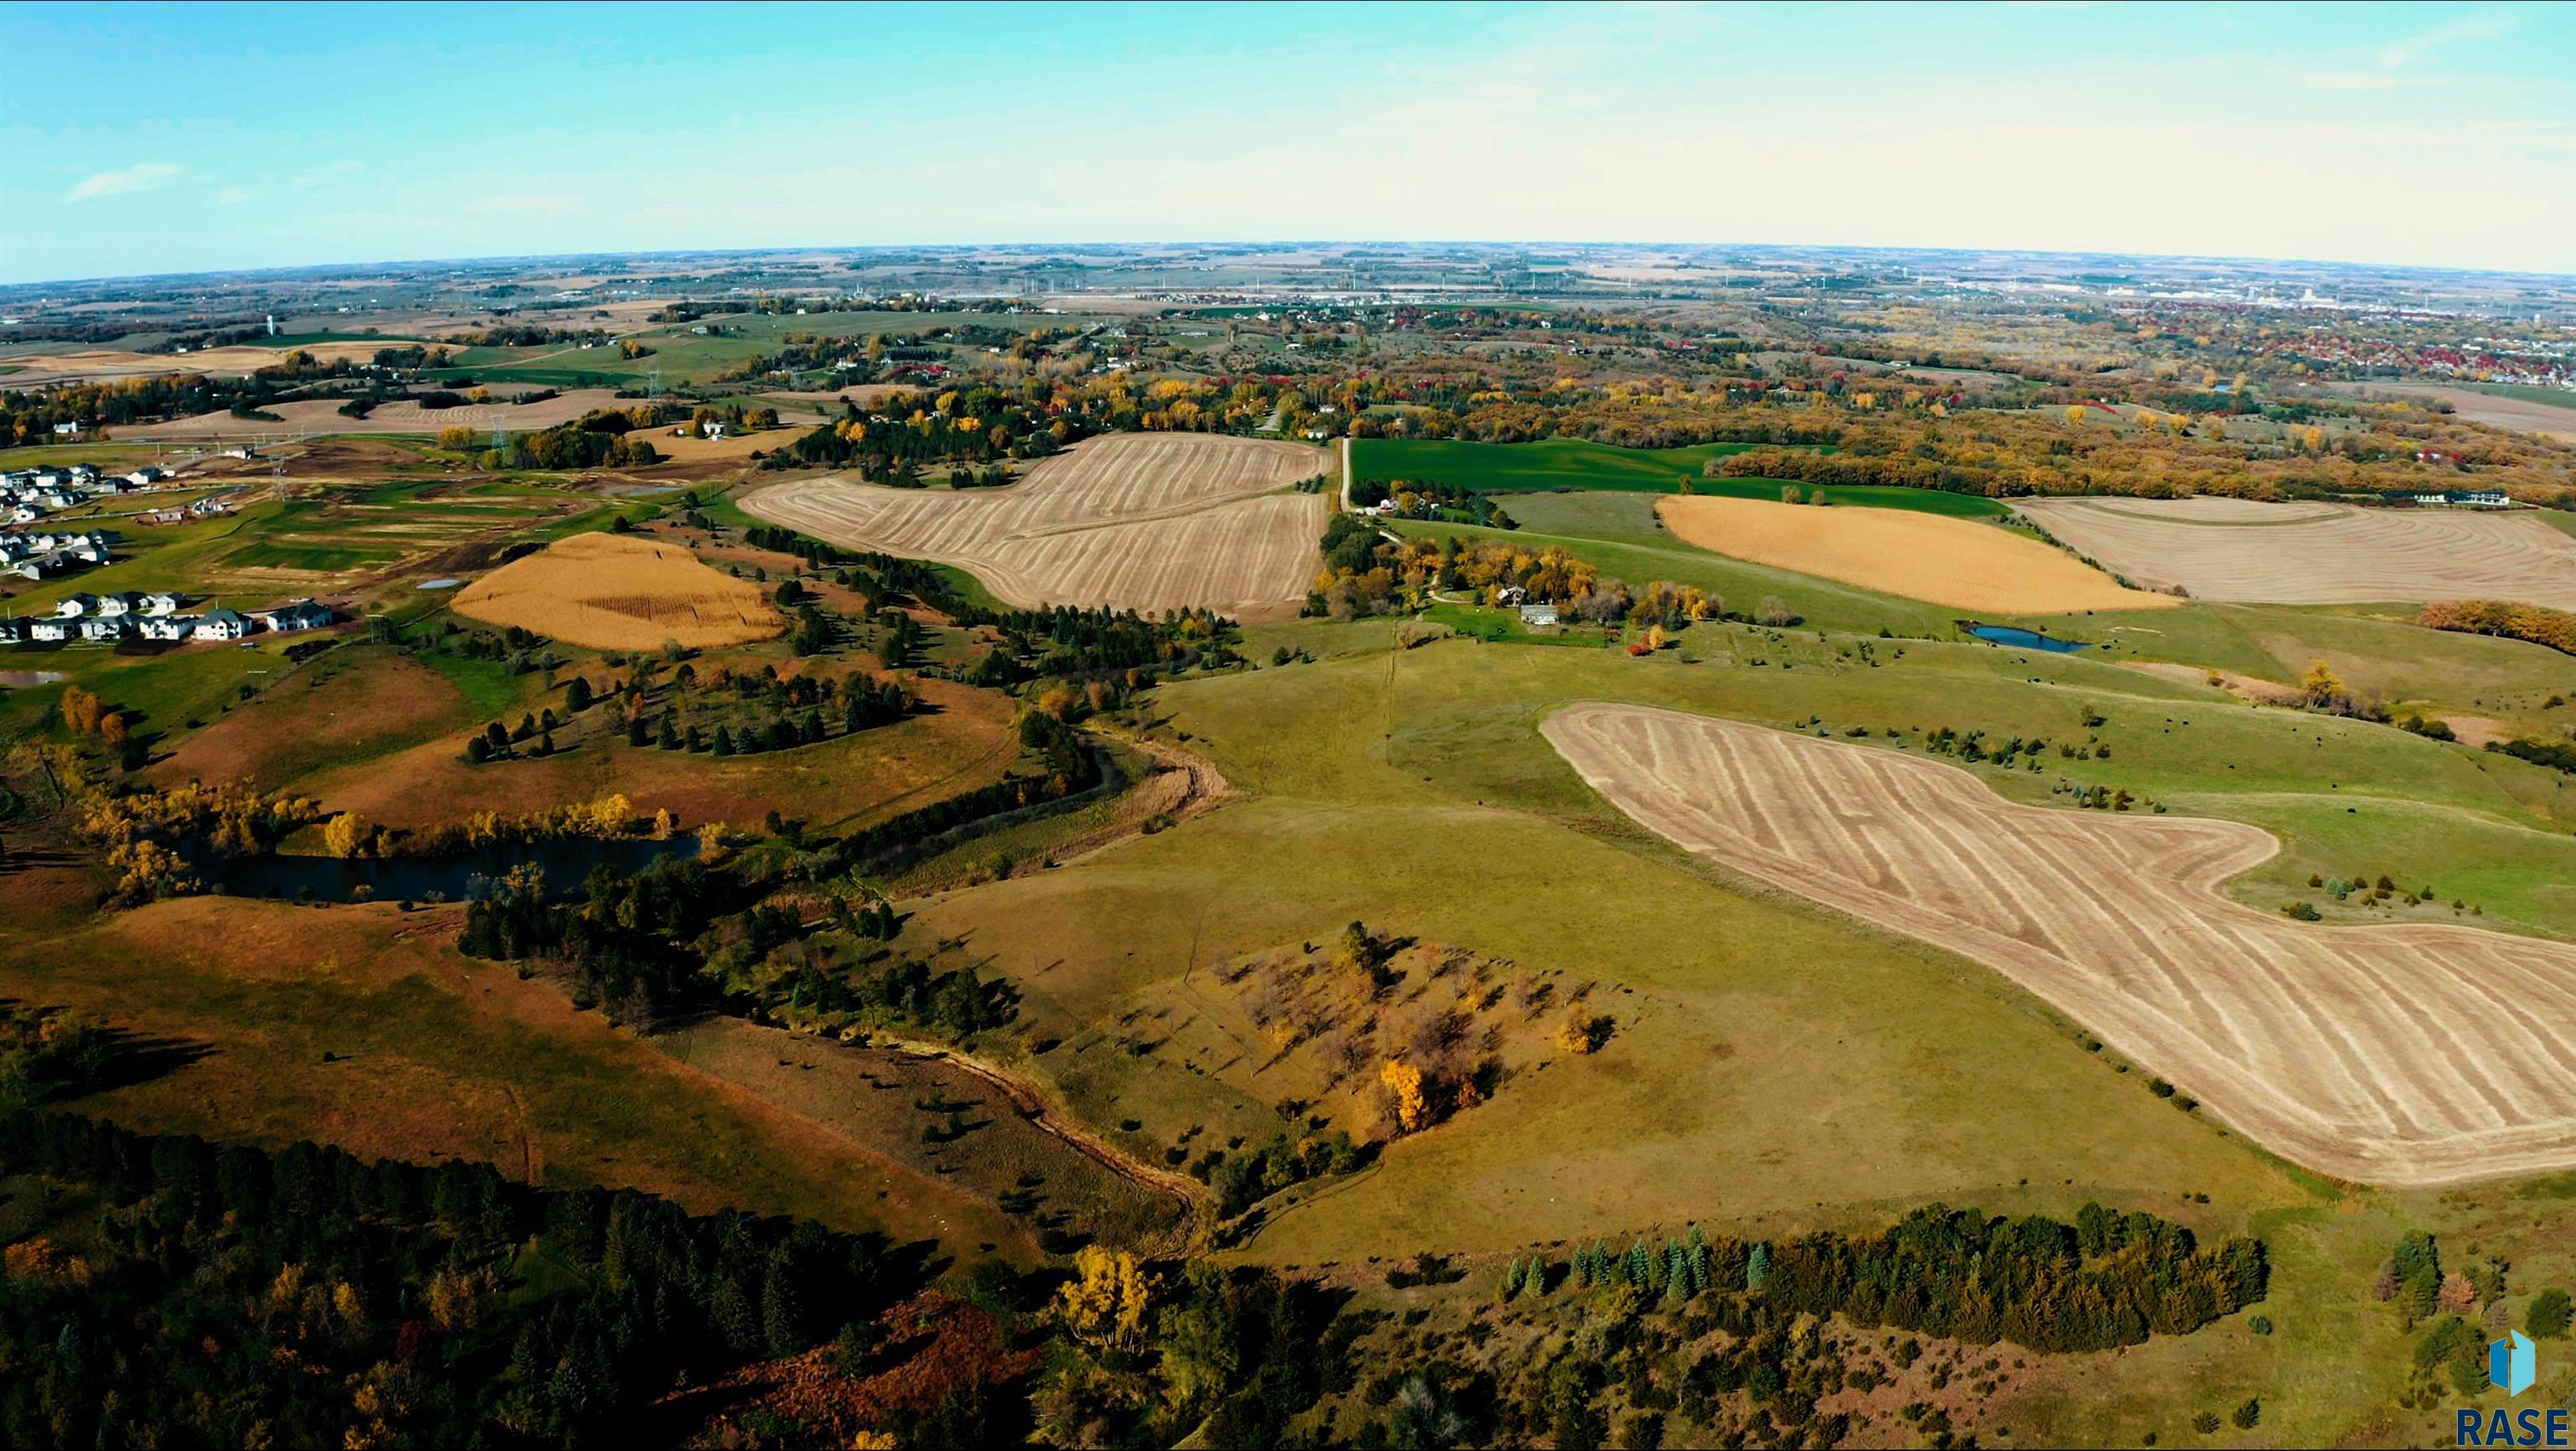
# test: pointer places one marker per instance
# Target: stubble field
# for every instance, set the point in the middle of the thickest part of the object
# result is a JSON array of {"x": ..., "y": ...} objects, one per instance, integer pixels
[
  {"x": 2403, "y": 1055},
  {"x": 615, "y": 592},
  {"x": 1131, "y": 521},
  {"x": 1955, "y": 562},
  {"x": 2234, "y": 549}
]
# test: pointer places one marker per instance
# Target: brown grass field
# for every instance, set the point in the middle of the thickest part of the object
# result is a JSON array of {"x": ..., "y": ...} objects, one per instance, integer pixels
[
  {"x": 1132, "y": 521},
  {"x": 618, "y": 592},
  {"x": 2298, "y": 554},
  {"x": 2402, "y": 1055},
  {"x": 1956, "y": 562}
]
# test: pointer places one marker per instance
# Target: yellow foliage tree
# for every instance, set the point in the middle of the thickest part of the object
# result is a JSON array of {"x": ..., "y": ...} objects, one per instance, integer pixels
[
  {"x": 347, "y": 835},
  {"x": 2320, "y": 685},
  {"x": 1404, "y": 1082},
  {"x": 1104, "y": 1304}
]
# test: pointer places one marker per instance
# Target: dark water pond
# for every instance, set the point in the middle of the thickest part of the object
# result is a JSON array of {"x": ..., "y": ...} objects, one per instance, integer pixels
[
  {"x": 28, "y": 679},
  {"x": 331, "y": 879},
  {"x": 2028, "y": 639}
]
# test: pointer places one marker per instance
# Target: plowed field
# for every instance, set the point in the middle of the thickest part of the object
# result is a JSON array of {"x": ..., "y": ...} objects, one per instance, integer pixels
[
  {"x": 2300, "y": 554},
  {"x": 1132, "y": 521},
  {"x": 2400, "y": 1055}
]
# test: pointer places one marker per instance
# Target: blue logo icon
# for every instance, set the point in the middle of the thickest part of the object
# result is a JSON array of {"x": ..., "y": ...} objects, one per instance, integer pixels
[{"x": 2511, "y": 1364}]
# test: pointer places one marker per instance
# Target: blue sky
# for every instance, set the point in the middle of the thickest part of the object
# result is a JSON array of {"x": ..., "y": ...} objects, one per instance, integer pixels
[{"x": 147, "y": 139}]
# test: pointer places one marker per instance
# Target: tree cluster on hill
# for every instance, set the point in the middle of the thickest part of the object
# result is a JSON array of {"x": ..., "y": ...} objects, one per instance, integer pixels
[
  {"x": 226, "y": 1296},
  {"x": 1365, "y": 573},
  {"x": 1418, "y": 500},
  {"x": 2513, "y": 620},
  {"x": 578, "y": 445},
  {"x": 47, "y": 1053},
  {"x": 29, "y": 417},
  {"x": 2104, "y": 1281}
]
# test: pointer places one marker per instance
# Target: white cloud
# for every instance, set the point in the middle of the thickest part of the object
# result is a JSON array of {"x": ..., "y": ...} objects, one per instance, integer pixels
[
  {"x": 233, "y": 196},
  {"x": 2413, "y": 48},
  {"x": 144, "y": 176}
]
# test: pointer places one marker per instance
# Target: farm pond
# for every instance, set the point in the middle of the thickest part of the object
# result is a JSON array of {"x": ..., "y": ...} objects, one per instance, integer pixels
[
  {"x": 415, "y": 878},
  {"x": 2026, "y": 639}
]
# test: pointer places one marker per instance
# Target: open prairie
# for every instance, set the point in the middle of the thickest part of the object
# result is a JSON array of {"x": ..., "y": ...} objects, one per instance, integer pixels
[
  {"x": 2235, "y": 549},
  {"x": 1133, "y": 521},
  {"x": 616, "y": 592},
  {"x": 2400, "y": 1054},
  {"x": 1954, "y": 562}
]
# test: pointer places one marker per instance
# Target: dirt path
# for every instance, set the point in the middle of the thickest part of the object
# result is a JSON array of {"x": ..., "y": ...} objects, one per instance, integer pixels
[{"x": 1034, "y": 1110}]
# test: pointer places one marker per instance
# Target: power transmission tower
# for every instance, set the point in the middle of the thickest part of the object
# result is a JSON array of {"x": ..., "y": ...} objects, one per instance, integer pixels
[
  {"x": 277, "y": 481},
  {"x": 653, "y": 383}
]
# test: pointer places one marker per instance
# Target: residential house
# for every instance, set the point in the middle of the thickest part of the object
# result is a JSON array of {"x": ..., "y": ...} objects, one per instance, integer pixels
[
  {"x": 168, "y": 627},
  {"x": 103, "y": 627},
  {"x": 11, "y": 632},
  {"x": 297, "y": 615},
  {"x": 73, "y": 606},
  {"x": 220, "y": 625},
  {"x": 160, "y": 604},
  {"x": 57, "y": 628},
  {"x": 117, "y": 603}
]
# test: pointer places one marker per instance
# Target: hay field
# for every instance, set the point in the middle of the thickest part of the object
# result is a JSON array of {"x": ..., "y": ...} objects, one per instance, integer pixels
[
  {"x": 1131, "y": 521},
  {"x": 1954, "y": 562},
  {"x": 2404, "y": 1054},
  {"x": 617, "y": 592},
  {"x": 2303, "y": 554}
]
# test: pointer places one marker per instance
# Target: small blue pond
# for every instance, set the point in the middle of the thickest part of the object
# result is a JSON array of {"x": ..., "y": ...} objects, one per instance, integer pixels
[
  {"x": 2027, "y": 639},
  {"x": 391, "y": 879}
]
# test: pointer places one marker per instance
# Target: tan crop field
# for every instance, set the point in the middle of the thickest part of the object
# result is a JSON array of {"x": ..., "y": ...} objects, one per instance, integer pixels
[
  {"x": 1956, "y": 562},
  {"x": 2401, "y": 1055},
  {"x": 321, "y": 415},
  {"x": 616, "y": 592},
  {"x": 2299, "y": 554},
  {"x": 99, "y": 365},
  {"x": 1131, "y": 521}
]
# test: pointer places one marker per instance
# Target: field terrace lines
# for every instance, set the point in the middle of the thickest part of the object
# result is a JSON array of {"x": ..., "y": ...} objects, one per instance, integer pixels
[
  {"x": 1131, "y": 521},
  {"x": 2404, "y": 1055},
  {"x": 2237, "y": 549}
]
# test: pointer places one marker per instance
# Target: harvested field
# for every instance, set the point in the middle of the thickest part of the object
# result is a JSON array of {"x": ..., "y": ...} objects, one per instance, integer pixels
[
  {"x": 321, "y": 415},
  {"x": 2301, "y": 554},
  {"x": 616, "y": 592},
  {"x": 2405, "y": 1055},
  {"x": 1131, "y": 521},
  {"x": 98, "y": 365},
  {"x": 1954, "y": 562}
]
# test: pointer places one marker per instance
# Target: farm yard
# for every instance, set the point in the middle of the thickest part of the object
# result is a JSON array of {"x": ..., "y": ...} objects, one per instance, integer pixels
[
  {"x": 2315, "y": 553},
  {"x": 1954, "y": 562},
  {"x": 2399, "y": 1054},
  {"x": 1135, "y": 521},
  {"x": 617, "y": 592}
]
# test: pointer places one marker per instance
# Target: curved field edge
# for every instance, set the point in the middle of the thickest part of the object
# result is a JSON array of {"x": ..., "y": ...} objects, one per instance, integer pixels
[{"x": 2359, "y": 1117}]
